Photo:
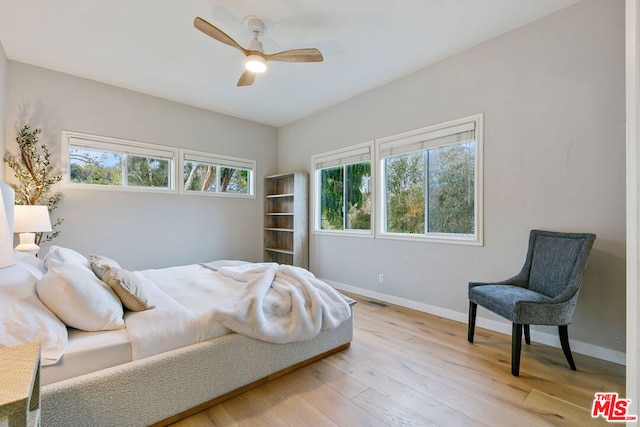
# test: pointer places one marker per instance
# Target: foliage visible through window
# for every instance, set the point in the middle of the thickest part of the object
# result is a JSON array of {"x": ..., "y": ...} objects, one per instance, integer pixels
[
  {"x": 345, "y": 197},
  {"x": 428, "y": 181},
  {"x": 213, "y": 178},
  {"x": 115, "y": 163},
  {"x": 405, "y": 179},
  {"x": 451, "y": 189},
  {"x": 95, "y": 167},
  {"x": 207, "y": 173},
  {"x": 428, "y": 185},
  {"x": 147, "y": 172},
  {"x": 431, "y": 191}
]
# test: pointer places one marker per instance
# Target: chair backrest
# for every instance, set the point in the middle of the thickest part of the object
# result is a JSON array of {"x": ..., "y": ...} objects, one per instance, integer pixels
[{"x": 556, "y": 261}]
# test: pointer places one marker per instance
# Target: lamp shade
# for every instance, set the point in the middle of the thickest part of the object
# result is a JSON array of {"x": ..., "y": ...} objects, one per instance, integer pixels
[
  {"x": 31, "y": 219},
  {"x": 7, "y": 258}
]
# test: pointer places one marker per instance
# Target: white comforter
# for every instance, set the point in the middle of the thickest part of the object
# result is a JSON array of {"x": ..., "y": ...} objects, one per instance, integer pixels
[
  {"x": 270, "y": 302},
  {"x": 279, "y": 303}
]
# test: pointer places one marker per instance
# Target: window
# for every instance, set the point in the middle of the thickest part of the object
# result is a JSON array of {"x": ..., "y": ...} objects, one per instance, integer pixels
[
  {"x": 430, "y": 182},
  {"x": 343, "y": 190},
  {"x": 204, "y": 173},
  {"x": 102, "y": 162}
]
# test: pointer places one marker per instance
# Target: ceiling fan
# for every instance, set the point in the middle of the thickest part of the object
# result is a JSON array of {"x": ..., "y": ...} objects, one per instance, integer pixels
[{"x": 256, "y": 59}]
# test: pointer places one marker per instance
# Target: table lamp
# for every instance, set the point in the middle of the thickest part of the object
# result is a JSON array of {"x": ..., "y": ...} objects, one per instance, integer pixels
[
  {"x": 7, "y": 257},
  {"x": 29, "y": 220}
]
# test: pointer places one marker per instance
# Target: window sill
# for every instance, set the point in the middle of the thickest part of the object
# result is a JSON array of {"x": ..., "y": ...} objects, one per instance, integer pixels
[
  {"x": 344, "y": 233},
  {"x": 434, "y": 238}
]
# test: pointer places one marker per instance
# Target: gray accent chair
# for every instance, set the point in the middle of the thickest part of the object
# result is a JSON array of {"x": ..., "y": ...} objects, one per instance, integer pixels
[{"x": 544, "y": 293}]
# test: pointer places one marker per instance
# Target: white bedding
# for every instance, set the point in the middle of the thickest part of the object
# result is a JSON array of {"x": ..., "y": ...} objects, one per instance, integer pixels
[
  {"x": 170, "y": 325},
  {"x": 89, "y": 352},
  {"x": 266, "y": 301},
  {"x": 183, "y": 297},
  {"x": 193, "y": 303},
  {"x": 279, "y": 303}
]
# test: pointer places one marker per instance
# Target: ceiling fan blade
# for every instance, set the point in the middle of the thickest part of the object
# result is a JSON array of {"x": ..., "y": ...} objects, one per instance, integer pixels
[
  {"x": 216, "y": 33},
  {"x": 296, "y": 55},
  {"x": 247, "y": 78}
]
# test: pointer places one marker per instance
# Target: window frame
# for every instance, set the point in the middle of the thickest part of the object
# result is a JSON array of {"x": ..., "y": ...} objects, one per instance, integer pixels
[
  {"x": 119, "y": 146},
  {"x": 217, "y": 160},
  {"x": 341, "y": 157},
  {"x": 428, "y": 137}
]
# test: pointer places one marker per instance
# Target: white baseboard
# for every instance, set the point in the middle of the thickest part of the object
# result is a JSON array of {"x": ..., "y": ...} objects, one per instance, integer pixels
[{"x": 502, "y": 327}]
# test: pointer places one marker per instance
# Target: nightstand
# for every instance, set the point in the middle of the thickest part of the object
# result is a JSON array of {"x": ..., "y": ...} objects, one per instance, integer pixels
[{"x": 20, "y": 385}]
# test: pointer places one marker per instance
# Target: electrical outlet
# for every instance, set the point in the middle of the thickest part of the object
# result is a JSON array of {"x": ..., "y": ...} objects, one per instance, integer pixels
[{"x": 380, "y": 278}]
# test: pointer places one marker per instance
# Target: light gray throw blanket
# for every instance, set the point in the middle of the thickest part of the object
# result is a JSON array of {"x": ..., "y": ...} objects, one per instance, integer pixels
[{"x": 280, "y": 303}]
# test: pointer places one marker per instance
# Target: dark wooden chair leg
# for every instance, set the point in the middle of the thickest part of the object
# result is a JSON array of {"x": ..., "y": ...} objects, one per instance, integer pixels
[
  {"x": 563, "y": 331},
  {"x": 473, "y": 307},
  {"x": 527, "y": 334},
  {"x": 516, "y": 345}
]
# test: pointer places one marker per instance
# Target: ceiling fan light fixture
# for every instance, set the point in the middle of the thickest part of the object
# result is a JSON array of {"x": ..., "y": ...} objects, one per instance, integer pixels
[
  {"x": 256, "y": 64},
  {"x": 255, "y": 58}
]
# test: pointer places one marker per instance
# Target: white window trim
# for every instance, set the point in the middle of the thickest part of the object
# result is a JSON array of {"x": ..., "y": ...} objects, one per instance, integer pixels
[
  {"x": 477, "y": 239},
  {"x": 337, "y": 156},
  {"x": 218, "y": 160},
  {"x": 116, "y": 145}
]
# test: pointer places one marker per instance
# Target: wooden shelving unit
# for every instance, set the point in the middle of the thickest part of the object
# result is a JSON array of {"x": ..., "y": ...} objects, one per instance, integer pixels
[{"x": 286, "y": 219}]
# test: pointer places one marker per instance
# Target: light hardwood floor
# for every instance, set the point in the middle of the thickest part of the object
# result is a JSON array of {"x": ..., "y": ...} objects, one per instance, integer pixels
[{"x": 407, "y": 368}]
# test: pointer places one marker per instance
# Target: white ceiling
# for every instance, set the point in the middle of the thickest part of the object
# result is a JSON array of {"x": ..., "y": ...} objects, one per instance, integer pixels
[{"x": 151, "y": 46}]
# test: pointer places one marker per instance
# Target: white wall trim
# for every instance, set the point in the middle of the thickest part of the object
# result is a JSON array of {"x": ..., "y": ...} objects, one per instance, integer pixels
[
  {"x": 502, "y": 327},
  {"x": 632, "y": 46}
]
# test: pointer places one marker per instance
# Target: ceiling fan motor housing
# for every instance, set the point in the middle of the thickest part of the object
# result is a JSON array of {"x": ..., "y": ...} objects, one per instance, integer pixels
[{"x": 255, "y": 25}]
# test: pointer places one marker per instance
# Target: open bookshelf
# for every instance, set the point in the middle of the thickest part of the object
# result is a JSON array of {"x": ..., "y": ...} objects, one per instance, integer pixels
[{"x": 286, "y": 219}]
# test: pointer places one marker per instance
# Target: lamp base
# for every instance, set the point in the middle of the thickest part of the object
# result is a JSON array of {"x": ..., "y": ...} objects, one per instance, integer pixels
[{"x": 27, "y": 243}]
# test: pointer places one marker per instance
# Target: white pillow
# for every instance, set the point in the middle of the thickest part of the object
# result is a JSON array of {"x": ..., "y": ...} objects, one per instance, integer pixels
[
  {"x": 66, "y": 255},
  {"x": 32, "y": 264},
  {"x": 99, "y": 263},
  {"x": 79, "y": 298},
  {"x": 23, "y": 317}
]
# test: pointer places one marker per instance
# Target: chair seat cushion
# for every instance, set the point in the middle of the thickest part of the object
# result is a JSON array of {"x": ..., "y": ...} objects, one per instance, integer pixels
[{"x": 509, "y": 302}]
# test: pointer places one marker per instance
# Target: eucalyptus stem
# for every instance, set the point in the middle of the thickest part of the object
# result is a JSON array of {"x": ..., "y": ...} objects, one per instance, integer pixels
[{"x": 32, "y": 167}]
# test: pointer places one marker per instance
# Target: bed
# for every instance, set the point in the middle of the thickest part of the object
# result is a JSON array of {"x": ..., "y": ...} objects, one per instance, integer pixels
[{"x": 167, "y": 353}]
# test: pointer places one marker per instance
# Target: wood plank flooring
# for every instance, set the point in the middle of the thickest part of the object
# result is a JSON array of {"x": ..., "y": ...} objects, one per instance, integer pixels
[{"x": 407, "y": 368}]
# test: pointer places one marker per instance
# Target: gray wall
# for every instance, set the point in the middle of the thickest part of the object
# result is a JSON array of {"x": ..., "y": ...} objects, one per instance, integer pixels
[
  {"x": 142, "y": 230},
  {"x": 553, "y": 97}
]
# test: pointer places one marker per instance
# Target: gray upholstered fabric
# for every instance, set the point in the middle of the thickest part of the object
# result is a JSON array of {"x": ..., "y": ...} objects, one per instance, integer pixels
[
  {"x": 505, "y": 300},
  {"x": 152, "y": 389},
  {"x": 546, "y": 290},
  {"x": 554, "y": 259}
]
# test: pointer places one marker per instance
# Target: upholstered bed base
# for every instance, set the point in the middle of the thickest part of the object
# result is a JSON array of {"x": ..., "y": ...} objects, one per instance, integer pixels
[{"x": 158, "y": 389}]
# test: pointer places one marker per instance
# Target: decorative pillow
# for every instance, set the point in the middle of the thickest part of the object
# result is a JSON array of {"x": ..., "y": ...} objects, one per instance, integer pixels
[
  {"x": 74, "y": 294},
  {"x": 23, "y": 317},
  {"x": 128, "y": 288},
  {"x": 99, "y": 263},
  {"x": 66, "y": 255}
]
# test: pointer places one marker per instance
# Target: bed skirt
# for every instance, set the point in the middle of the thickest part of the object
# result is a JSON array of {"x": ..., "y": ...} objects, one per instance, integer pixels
[{"x": 157, "y": 388}]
